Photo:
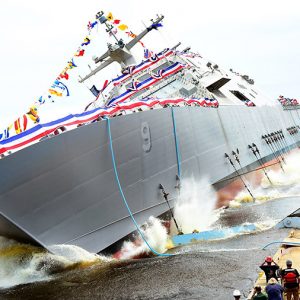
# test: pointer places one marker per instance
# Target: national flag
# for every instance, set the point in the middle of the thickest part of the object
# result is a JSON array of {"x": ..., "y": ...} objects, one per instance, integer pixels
[
  {"x": 94, "y": 91},
  {"x": 109, "y": 17},
  {"x": 122, "y": 27},
  {"x": 80, "y": 52},
  {"x": 116, "y": 21},
  {"x": 86, "y": 41}
]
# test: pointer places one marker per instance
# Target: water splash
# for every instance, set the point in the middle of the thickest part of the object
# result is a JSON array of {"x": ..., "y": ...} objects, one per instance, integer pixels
[
  {"x": 194, "y": 209},
  {"x": 23, "y": 263},
  {"x": 156, "y": 235},
  {"x": 284, "y": 184}
]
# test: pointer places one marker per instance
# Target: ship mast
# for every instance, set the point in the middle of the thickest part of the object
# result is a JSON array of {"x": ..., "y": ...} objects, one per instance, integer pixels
[{"x": 118, "y": 52}]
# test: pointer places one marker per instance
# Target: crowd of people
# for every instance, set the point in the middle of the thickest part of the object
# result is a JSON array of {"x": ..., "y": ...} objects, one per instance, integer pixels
[{"x": 281, "y": 283}]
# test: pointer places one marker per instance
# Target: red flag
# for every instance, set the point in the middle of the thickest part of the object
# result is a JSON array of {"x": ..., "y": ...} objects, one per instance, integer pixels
[{"x": 116, "y": 21}]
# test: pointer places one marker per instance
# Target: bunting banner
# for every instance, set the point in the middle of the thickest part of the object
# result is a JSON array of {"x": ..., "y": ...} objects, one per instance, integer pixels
[
  {"x": 71, "y": 121},
  {"x": 249, "y": 103},
  {"x": 157, "y": 75},
  {"x": 287, "y": 101},
  {"x": 174, "y": 68},
  {"x": 142, "y": 66}
]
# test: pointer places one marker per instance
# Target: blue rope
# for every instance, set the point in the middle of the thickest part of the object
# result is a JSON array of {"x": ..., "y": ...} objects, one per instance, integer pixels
[
  {"x": 176, "y": 143},
  {"x": 123, "y": 196},
  {"x": 284, "y": 243}
]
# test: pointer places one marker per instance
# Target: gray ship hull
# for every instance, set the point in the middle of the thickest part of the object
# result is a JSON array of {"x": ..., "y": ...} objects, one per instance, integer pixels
[{"x": 63, "y": 190}]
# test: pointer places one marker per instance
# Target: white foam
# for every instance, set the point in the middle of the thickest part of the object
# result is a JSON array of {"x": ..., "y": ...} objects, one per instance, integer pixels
[
  {"x": 284, "y": 184},
  {"x": 194, "y": 209},
  {"x": 156, "y": 235},
  {"x": 23, "y": 263}
]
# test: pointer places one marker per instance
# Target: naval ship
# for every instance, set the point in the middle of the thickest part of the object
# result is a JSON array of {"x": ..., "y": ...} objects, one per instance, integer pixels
[{"x": 82, "y": 179}]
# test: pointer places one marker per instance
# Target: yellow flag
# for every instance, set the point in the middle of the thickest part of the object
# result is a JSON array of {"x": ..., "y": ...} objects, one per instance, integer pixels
[
  {"x": 123, "y": 27},
  {"x": 109, "y": 17}
]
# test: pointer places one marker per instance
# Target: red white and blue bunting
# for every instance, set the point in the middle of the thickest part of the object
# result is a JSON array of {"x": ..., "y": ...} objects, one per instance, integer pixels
[
  {"x": 71, "y": 121},
  {"x": 138, "y": 86},
  {"x": 287, "y": 101}
]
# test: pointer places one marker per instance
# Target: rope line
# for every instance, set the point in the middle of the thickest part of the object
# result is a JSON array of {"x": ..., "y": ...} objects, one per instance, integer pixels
[
  {"x": 284, "y": 243},
  {"x": 122, "y": 193},
  {"x": 176, "y": 143}
]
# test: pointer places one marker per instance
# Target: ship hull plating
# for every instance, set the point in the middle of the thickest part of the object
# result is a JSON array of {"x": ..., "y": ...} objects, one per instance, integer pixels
[{"x": 63, "y": 189}]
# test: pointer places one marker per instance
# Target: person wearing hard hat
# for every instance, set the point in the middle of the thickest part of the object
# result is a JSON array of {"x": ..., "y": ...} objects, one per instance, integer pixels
[
  {"x": 270, "y": 267},
  {"x": 237, "y": 294}
]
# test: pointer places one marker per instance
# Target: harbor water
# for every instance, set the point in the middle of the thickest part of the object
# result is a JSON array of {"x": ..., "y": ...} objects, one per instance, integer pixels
[{"x": 203, "y": 270}]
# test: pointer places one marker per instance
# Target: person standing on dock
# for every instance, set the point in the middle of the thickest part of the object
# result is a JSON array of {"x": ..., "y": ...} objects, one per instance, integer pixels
[
  {"x": 270, "y": 267},
  {"x": 274, "y": 290},
  {"x": 290, "y": 278}
]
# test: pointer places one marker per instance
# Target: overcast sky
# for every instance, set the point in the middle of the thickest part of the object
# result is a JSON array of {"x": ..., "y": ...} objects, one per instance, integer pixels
[{"x": 260, "y": 38}]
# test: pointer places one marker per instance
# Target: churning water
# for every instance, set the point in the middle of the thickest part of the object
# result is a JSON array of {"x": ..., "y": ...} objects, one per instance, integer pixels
[{"x": 194, "y": 210}]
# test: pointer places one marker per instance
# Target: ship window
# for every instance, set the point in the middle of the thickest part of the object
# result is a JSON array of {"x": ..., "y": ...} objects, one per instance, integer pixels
[
  {"x": 218, "y": 84},
  {"x": 239, "y": 95}
]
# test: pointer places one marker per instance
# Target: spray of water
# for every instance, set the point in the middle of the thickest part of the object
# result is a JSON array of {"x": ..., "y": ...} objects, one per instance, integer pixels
[
  {"x": 23, "y": 263},
  {"x": 156, "y": 235},
  {"x": 194, "y": 209},
  {"x": 284, "y": 184}
]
